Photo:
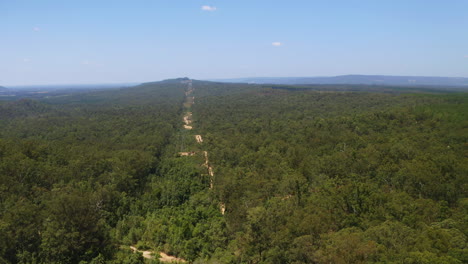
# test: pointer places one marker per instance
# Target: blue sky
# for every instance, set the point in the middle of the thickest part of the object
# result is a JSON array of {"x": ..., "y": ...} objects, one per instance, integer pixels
[{"x": 98, "y": 41}]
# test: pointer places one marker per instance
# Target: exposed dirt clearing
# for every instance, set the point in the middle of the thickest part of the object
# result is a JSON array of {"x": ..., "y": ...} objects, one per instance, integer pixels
[
  {"x": 188, "y": 118},
  {"x": 164, "y": 257},
  {"x": 187, "y": 153},
  {"x": 188, "y": 127},
  {"x": 146, "y": 254},
  {"x": 222, "y": 208},
  {"x": 210, "y": 171},
  {"x": 199, "y": 138}
]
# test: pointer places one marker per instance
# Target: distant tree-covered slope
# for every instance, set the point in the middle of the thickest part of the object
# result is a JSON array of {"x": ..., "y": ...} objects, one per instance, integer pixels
[{"x": 358, "y": 79}]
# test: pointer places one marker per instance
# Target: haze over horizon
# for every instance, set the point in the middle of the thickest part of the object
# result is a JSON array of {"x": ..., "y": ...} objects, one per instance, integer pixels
[{"x": 57, "y": 42}]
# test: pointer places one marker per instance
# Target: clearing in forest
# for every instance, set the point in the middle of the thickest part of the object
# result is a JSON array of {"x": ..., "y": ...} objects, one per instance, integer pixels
[
  {"x": 191, "y": 153},
  {"x": 164, "y": 257},
  {"x": 188, "y": 118}
]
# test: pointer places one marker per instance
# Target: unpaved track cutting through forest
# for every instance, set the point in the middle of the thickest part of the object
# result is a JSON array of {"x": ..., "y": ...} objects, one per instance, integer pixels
[
  {"x": 163, "y": 256},
  {"x": 187, "y": 119},
  {"x": 189, "y": 101}
]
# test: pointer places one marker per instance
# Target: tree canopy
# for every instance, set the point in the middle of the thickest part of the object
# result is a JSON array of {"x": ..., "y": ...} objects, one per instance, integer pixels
[{"x": 316, "y": 174}]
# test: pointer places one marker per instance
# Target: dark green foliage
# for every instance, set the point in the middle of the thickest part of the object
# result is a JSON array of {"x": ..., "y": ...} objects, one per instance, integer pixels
[
  {"x": 307, "y": 176},
  {"x": 347, "y": 174},
  {"x": 71, "y": 168}
]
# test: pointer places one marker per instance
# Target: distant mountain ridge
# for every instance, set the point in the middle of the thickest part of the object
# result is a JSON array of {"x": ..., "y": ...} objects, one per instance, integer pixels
[
  {"x": 357, "y": 79},
  {"x": 3, "y": 89}
]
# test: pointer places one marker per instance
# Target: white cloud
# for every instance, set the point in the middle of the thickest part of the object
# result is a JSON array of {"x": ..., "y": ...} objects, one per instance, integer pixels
[
  {"x": 277, "y": 44},
  {"x": 36, "y": 29},
  {"x": 208, "y": 8}
]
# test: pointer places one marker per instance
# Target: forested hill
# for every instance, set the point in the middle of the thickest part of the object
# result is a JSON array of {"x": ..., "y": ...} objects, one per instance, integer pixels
[
  {"x": 206, "y": 172},
  {"x": 359, "y": 79}
]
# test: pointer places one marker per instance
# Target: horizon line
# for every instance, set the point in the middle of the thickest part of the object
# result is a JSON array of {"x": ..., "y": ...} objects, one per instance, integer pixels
[{"x": 224, "y": 78}]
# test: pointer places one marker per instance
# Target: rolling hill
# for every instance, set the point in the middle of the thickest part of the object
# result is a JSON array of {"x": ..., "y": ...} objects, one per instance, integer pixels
[{"x": 358, "y": 79}]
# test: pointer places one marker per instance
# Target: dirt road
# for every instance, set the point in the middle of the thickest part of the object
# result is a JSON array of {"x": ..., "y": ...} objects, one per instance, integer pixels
[
  {"x": 188, "y": 125},
  {"x": 163, "y": 256},
  {"x": 188, "y": 118},
  {"x": 191, "y": 153},
  {"x": 166, "y": 258}
]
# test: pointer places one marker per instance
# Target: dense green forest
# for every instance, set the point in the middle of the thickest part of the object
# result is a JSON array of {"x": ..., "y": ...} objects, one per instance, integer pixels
[
  {"x": 316, "y": 174},
  {"x": 72, "y": 167}
]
